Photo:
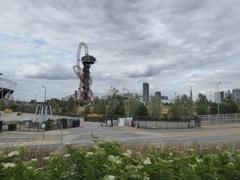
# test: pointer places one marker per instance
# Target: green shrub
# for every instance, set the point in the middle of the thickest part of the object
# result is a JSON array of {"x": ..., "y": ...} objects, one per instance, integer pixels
[{"x": 107, "y": 160}]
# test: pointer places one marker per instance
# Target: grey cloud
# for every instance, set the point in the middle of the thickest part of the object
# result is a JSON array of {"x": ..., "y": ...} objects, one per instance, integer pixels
[{"x": 133, "y": 41}]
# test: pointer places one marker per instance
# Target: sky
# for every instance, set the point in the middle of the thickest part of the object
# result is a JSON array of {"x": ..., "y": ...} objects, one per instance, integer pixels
[{"x": 172, "y": 45}]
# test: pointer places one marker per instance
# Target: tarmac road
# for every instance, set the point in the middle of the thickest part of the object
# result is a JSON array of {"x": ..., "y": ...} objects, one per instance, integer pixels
[{"x": 82, "y": 135}]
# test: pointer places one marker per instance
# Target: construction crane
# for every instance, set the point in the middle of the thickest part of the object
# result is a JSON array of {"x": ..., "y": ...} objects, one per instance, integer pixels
[{"x": 84, "y": 93}]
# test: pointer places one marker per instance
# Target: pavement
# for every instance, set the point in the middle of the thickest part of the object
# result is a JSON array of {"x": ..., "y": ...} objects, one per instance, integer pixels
[{"x": 82, "y": 135}]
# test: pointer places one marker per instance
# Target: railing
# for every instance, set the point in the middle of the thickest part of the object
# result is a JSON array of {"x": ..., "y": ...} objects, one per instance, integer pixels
[{"x": 219, "y": 119}]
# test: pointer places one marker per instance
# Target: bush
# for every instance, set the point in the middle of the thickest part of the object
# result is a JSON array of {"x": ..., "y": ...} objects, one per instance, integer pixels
[{"x": 108, "y": 160}]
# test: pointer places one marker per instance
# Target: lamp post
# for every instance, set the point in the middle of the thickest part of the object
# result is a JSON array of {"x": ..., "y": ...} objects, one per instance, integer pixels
[
  {"x": 128, "y": 101},
  {"x": 44, "y": 112},
  {"x": 218, "y": 98}
]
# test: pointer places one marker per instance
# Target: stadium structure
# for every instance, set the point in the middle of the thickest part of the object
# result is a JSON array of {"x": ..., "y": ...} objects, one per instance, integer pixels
[{"x": 7, "y": 87}]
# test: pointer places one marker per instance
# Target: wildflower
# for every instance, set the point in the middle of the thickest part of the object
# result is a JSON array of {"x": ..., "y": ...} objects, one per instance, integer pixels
[
  {"x": 127, "y": 153},
  {"x": 114, "y": 159},
  {"x": 230, "y": 164},
  {"x": 139, "y": 167},
  {"x": 198, "y": 160},
  {"x": 218, "y": 148},
  {"x": 29, "y": 167},
  {"x": 13, "y": 153},
  {"x": 89, "y": 154},
  {"x": 34, "y": 160},
  {"x": 146, "y": 178},
  {"x": 170, "y": 154},
  {"x": 46, "y": 158},
  {"x": 190, "y": 150},
  {"x": 67, "y": 155},
  {"x": 109, "y": 177},
  {"x": 8, "y": 165},
  {"x": 193, "y": 166},
  {"x": 147, "y": 161}
]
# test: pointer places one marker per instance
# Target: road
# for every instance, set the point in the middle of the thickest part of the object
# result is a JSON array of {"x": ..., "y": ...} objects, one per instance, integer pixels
[{"x": 82, "y": 135}]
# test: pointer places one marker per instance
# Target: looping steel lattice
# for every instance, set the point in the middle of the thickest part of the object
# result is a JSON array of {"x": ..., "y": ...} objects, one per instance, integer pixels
[{"x": 84, "y": 93}]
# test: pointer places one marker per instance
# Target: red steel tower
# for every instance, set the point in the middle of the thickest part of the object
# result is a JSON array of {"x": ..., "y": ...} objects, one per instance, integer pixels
[{"x": 84, "y": 93}]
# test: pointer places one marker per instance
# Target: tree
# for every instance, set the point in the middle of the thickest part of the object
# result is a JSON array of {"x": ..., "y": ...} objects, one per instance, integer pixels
[
  {"x": 141, "y": 110},
  {"x": 201, "y": 105},
  {"x": 99, "y": 106},
  {"x": 229, "y": 105},
  {"x": 154, "y": 107},
  {"x": 133, "y": 106},
  {"x": 1, "y": 105},
  {"x": 71, "y": 106},
  {"x": 182, "y": 108},
  {"x": 55, "y": 104},
  {"x": 115, "y": 106},
  {"x": 213, "y": 108}
]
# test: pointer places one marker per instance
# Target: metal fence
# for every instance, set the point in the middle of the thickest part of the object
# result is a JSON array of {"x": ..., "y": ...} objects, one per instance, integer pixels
[
  {"x": 221, "y": 119},
  {"x": 165, "y": 124}
]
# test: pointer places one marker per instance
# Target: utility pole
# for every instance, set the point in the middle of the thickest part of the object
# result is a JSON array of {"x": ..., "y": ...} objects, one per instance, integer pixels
[
  {"x": 44, "y": 112},
  {"x": 218, "y": 98}
]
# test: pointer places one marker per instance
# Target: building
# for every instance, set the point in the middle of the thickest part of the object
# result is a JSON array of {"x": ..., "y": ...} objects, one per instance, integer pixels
[
  {"x": 236, "y": 94},
  {"x": 218, "y": 97},
  {"x": 158, "y": 94},
  {"x": 145, "y": 92},
  {"x": 7, "y": 87}
]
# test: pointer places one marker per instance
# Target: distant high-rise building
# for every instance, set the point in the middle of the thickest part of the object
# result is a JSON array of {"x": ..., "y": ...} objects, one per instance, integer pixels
[
  {"x": 145, "y": 92},
  {"x": 236, "y": 94},
  {"x": 158, "y": 94},
  {"x": 218, "y": 97}
]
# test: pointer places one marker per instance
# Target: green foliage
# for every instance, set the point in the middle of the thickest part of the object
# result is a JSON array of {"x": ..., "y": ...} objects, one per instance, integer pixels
[
  {"x": 154, "y": 107},
  {"x": 201, "y": 105},
  {"x": 107, "y": 160},
  {"x": 71, "y": 106},
  {"x": 99, "y": 106},
  {"x": 141, "y": 110},
  {"x": 1, "y": 105},
  {"x": 213, "y": 108},
  {"x": 182, "y": 108},
  {"x": 229, "y": 105},
  {"x": 115, "y": 106},
  {"x": 87, "y": 110}
]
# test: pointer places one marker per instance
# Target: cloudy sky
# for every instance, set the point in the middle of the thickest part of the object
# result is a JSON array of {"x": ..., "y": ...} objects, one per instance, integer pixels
[{"x": 173, "y": 45}]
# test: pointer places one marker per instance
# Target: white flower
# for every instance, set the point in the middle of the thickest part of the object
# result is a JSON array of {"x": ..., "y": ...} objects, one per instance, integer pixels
[
  {"x": 8, "y": 165},
  {"x": 67, "y": 155},
  {"x": 193, "y": 166},
  {"x": 127, "y": 153},
  {"x": 114, "y": 159},
  {"x": 139, "y": 167},
  {"x": 34, "y": 160},
  {"x": 109, "y": 177},
  {"x": 89, "y": 154},
  {"x": 13, "y": 153},
  {"x": 147, "y": 161},
  {"x": 198, "y": 160},
  {"x": 29, "y": 167},
  {"x": 190, "y": 150},
  {"x": 146, "y": 178},
  {"x": 46, "y": 158},
  {"x": 170, "y": 154}
]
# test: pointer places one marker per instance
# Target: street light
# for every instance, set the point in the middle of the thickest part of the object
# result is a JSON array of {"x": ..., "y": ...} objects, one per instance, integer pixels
[
  {"x": 44, "y": 111},
  {"x": 218, "y": 97},
  {"x": 128, "y": 100}
]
